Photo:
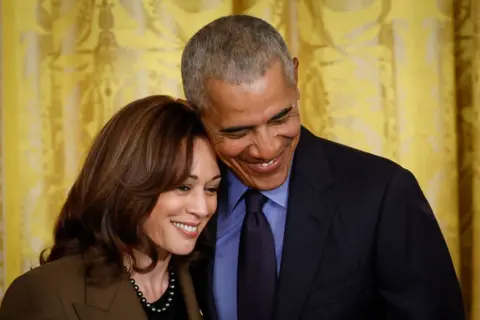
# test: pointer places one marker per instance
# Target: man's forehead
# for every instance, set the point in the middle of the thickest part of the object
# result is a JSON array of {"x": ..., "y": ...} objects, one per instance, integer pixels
[
  {"x": 228, "y": 98},
  {"x": 257, "y": 86},
  {"x": 245, "y": 116},
  {"x": 266, "y": 89},
  {"x": 250, "y": 99}
]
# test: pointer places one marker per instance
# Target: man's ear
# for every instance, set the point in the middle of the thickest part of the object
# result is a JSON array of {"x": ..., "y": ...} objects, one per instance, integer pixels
[
  {"x": 295, "y": 73},
  {"x": 295, "y": 69}
]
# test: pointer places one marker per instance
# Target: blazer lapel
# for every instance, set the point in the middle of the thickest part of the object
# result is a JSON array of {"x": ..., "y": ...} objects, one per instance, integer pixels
[
  {"x": 203, "y": 272},
  {"x": 115, "y": 301},
  {"x": 85, "y": 312},
  {"x": 186, "y": 285},
  {"x": 311, "y": 206},
  {"x": 211, "y": 308}
]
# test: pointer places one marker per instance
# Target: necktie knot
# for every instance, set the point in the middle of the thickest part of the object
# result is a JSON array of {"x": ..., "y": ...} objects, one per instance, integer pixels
[{"x": 254, "y": 201}]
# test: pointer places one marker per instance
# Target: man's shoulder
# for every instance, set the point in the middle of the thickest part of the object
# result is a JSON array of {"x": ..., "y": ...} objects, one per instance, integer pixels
[
  {"x": 342, "y": 155},
  {"x": 351, "y": 164}
]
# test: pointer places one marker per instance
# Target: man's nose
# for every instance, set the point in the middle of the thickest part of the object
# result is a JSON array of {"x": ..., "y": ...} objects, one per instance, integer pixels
[{"x": 266, "y": 144}]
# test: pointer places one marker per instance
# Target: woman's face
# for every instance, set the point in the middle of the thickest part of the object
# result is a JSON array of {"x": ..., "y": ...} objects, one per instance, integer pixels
[{"x": 181, "y": 214}]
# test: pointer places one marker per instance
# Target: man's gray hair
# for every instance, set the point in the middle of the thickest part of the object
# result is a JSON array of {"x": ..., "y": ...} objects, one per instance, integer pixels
[{"x": 236, "y": 49}]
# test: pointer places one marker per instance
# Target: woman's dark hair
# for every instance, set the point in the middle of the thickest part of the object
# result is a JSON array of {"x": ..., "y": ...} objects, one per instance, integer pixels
[{"x": 143, "y": 150}]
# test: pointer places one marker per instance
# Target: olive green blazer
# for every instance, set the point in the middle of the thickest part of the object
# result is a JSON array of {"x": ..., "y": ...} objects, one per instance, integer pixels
[{"x": 58, "y": 291}]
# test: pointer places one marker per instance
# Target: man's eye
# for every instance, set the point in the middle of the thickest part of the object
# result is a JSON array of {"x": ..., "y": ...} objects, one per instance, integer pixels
[
  {"x": 281, "y": 119},
  {"x": 236, "y": 134}
]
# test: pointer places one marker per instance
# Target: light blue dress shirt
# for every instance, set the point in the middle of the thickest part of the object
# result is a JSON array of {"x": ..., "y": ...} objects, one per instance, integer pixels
[{"x": 229, "y": 225}]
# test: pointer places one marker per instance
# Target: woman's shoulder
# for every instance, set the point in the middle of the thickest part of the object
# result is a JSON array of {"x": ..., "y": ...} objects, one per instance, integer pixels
[
  {"x": 70, "y": 265},
  {"x": 41, "y": 287},
  {"x": 59, "y": 273}
]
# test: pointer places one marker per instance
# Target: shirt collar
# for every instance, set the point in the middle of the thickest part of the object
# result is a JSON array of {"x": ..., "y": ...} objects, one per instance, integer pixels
[{"x": 236, "y": 189}]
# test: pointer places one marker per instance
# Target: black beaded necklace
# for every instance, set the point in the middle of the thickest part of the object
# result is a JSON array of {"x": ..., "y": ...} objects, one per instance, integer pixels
[{"x": 169, "y": 293}]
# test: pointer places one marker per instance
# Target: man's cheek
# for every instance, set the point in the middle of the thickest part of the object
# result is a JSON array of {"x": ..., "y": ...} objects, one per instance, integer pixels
[{"x": 231, "y": 148}]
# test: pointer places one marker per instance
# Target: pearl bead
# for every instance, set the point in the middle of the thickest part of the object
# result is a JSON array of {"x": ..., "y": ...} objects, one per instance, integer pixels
[{"x": 169, "y": 293}]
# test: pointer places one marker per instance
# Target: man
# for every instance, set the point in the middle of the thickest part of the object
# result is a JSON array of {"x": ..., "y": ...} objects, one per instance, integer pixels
[{"x": 306, "y": 228}]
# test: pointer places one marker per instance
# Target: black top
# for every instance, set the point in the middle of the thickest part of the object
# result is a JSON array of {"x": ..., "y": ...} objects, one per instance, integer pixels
[{"x": 176, "y": 311}]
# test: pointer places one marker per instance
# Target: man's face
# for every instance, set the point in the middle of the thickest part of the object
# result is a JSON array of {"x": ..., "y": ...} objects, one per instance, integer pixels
[{"x": 255, "y": 127}]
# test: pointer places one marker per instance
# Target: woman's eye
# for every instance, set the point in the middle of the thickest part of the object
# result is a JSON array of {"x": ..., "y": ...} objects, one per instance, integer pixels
[
  {"x": 212, "y": 190},
  {"x": 184, "y": 188}
]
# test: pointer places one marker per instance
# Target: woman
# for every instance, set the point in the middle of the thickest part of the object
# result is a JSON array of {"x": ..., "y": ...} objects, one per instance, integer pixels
[{"x": 128, "y": 229}]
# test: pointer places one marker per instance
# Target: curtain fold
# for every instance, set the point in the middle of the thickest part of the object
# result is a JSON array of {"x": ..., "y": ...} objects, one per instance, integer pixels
[{"x": 396, "y": 78}]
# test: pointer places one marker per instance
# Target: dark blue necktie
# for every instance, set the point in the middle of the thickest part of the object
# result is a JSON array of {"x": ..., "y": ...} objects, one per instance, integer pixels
[{"x": 257, "y": 272}]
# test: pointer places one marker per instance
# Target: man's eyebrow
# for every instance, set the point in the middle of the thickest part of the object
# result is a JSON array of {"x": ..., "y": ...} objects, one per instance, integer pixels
[
  {"x": 279, "y": 115},
  {"x": 235, "y": 129}
]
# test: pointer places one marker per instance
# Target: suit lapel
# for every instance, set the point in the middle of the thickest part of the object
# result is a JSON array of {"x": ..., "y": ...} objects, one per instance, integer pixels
[
  {"x": 311, "y": 206},
  {"x": 115, "y": 301}
]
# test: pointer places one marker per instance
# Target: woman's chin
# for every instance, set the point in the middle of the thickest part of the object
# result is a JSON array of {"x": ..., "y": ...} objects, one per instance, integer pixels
[{"x": 180, "y": 250}]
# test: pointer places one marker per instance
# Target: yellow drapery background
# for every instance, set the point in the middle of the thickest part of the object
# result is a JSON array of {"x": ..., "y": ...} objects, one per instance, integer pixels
[{"x": 399, "y": 78}]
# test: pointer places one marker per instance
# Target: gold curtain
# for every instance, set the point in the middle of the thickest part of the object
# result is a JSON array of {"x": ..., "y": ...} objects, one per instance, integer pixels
[{"x": 399, "y": 78}]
